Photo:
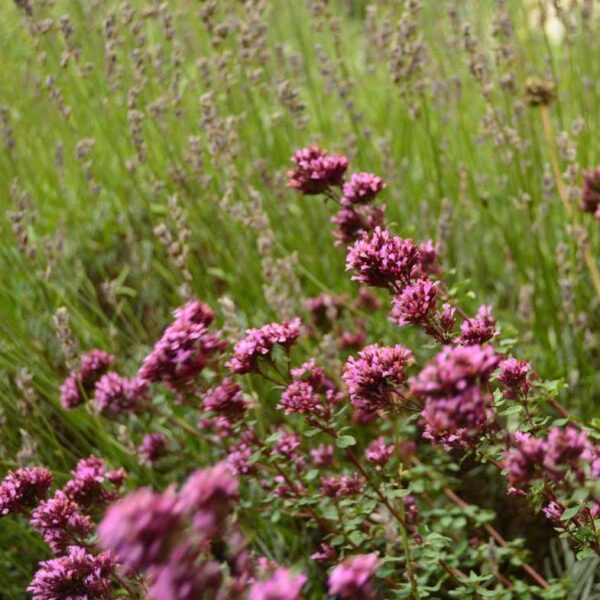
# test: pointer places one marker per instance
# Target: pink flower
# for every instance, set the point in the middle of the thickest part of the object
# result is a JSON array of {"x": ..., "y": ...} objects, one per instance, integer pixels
[
  {"x": 352, "y": 222},
  {"x": 553, "y": 511},
  {"x": 379, "y": 452},
  {"x": 322, "y": 455},
  {"x": 362, "y": 188},
  {"x": 80, "y": 383},
  {"x": 325, "y": 554},
  {"x": 185, "y": 577},
  {"x": 524, "y": 461},
  {"x": 238, "y": 458},
  {"x": 456, "y": 411},
  {"x": 225, "y": 399},
  {"x": 22, "y": 489},
  {"x": 184, "y": 349},
  {"x": 92, "y": 485},
  {"x": 60, "y": 522},
  {"x": 411, "y": 510},
  {"x": 353, "y": 578},
  {"x": 350, "y": 340},
  {"x": 259, "y": 343},
  {"x": 367, "y": 301},
  {"x": 300, "y": 397},
  {"x": 316, "y": 170},
  {"x": 568, "y": 450},
  {"x": 454, "y": 369},
  {"x": 209, "y": 496},
  {"x": 343, "y": 486},
  {"x": 459, "y": 420},
  {"x": 429, "y": 258},
  {"x": 415, "y": 304},
  {"x": 153, "y": 447},
  {"x": 117, "y": 395},
  {"x": 480, "y": 329},
  {"x": 315, "y": 375},
  {"x": 287, "y": 444},
  {"x": 447, "y": 319},
  {"x": 141, "y": 528},
  {"x": 281, "y": 585},
  {"x": 381, "y": 260},
  {"x": 514, "y": 376},
  {"x": 77, "y": 575},
  {"x": 590, "y": 192},
  {"x": 372, "y": 378}
]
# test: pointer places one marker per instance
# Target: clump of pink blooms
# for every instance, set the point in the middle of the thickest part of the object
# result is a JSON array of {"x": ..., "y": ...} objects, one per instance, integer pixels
[
  {"x": 453, "y": 387},
  {"x": 140, "y": 528},
  {"x": 78, "y": 574},
  {"x": 184, "y": 349},
  {"x": 590, "y": 192},
  {"x": 92, "y": 485},
  {"x": 383, "y": 260},
  {"x": 515, "y": 376},
  {"x": 79, "y": 385},
  {"x": 225, "y": 399},
  {"x": 282, "y": 584},
  {"x": 22, "y": 489},
  {"x": 375, "y": 377},
  {"x": 115, "y": 395},
  {"x": 61, "y": 523},
  {"x": 153, "y": 447},
  {"x": 259, "y": 343},
  {"x": 353, "y": 578},
  {"x": 316, "y": 171},
  {"x": 378, "y": 452}
]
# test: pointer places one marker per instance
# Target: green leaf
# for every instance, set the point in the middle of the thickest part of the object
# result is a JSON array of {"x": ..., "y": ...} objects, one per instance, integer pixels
[
  {"x": 311, "y": 432},
  {"x": 274, "y": 437},
  {"x": 570, "y": 513},
  {"x": 345, "y": 441}
]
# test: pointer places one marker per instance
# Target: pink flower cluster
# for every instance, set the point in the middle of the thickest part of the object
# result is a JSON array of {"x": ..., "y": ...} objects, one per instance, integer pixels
[
  {"x": 115, "y": 395},
  {"x": 92, "y": 485},
  {"x": 416, "y": 303},
  {"x": 22, "y": 489},
  {"x": 226, "y": 399},
  {"x": 169, "y": 535},
  {"x": 140, "y": 528},
  {"x": 152, "y": 448},
  {"x": 480, "y": 329},
  {"x": 378, "y": 452},
  {"x": 354, "y": 221},
  {"x": 79, "y": 385},
  {"x": 563, "y": 457},
  {"x": 376, "y": 375},
  {"x": 343, "y": 486},
  {"x": 383, "y": 260},
  {"x": 320, "y": 173},
  {"x": 259, "y": 343},
  {"x": 77, "y": 575},
  {"x": 362, "y": 188},
  {"x": 310, "y": 393},
  {"x": 281, "y": 585},
  {"x": 515, "y": 377},
  {"x": 353, "y": 578},
  {"x": 61, "y": 523},
  {"x": 316, "y": 171},
  {"x": 590, "y": 192},
  {"x": 65, "y": 524},
  {"x": 457, "y": 406},
  {"x": 184, "y": 349}
]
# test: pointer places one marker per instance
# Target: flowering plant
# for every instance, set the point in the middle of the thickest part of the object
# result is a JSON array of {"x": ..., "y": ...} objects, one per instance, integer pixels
[{"x": 360, "y": 461}]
